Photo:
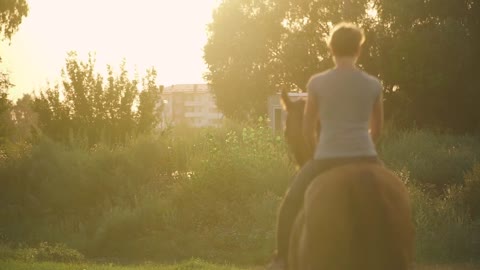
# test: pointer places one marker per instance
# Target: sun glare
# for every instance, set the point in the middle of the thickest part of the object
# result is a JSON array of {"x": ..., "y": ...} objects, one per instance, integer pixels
[{"x": 168, "y": 35}]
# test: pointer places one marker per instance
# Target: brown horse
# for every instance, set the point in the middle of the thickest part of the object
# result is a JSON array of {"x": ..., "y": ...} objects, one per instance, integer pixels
[{"x": 354, "y": 217}]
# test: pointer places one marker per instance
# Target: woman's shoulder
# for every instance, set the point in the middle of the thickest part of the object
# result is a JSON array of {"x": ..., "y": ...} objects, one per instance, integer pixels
[
  {"x": 370, "y": 77},
  {"x": 322, "y": 74},
  {"x": 319, "y": 77}
]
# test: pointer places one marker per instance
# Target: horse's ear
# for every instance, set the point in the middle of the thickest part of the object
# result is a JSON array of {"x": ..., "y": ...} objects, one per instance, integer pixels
[{"x": 286, "y": 101}]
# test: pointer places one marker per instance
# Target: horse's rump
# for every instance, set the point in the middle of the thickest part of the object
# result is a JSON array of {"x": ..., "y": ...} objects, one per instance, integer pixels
[{"x": 356, "y": 216}]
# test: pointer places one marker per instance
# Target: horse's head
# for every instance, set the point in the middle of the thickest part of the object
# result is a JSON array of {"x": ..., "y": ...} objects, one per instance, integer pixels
[{"x": 293, "y": 129}]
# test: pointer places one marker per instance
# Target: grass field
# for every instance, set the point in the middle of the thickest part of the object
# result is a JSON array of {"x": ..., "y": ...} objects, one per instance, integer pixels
[{"x": 190, "y": 265}]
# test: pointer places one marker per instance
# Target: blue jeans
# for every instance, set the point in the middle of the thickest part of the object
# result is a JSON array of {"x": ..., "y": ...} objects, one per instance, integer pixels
[{"x": 293, "y": 200}]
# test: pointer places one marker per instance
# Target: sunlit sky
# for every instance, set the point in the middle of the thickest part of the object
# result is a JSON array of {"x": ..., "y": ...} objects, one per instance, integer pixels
[{"x": 166, "y": 34}]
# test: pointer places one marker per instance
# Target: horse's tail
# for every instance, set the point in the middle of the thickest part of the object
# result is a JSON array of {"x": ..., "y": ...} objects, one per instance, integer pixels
[{"x": 358, "y": 217}]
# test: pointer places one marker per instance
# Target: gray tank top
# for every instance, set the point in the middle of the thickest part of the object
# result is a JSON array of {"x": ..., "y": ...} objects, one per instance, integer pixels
[{"x": 345, "y": 98}]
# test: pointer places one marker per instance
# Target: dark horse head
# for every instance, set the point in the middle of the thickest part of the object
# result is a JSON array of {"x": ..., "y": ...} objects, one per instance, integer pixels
[{"x": 293, "y": 129}]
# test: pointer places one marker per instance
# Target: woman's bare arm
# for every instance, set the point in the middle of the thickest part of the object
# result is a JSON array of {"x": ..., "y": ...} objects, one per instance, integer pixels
[
  {"x": 376, "y": 120},
  {"x": 310, "y": 120}
]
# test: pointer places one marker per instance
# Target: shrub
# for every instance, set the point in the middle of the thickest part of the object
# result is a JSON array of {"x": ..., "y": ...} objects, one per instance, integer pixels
[
  {"x": 437, "y": 160},
  {"x": 444, "y": 230},
  {"x": 223, "y": 207},
  {"x": 208, "y": 193}
]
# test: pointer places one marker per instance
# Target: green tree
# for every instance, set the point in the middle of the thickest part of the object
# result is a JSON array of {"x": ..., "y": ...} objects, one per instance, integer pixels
[
  {"x": 150, "y": 103},
  {"x": 54, "y": 115},
  {"x": 5, "y": 107},
  {"x": 79, "y": 83},
  {"x": 92, "y": 109},
  {"x": 25, "y": 118},
  {"x": 428, "y": 51},
  {"x": 240, "y": 54},
  {"x": 423, "y": 52},
  {"x": 128, "y": 90},
  {"x": 11, "y": 16},
  {"x": 255, "y": 45}
]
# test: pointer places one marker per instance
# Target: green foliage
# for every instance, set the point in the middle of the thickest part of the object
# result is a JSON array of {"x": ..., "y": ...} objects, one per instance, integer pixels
[
  {"x": 93, "y": 109},
  {"x": 58, "y": 252},
  {"x": 131, "y": 202},
  {"x": 208, "y": 193},
  {"x": 51, "y": 185},
  {"x": 433, "y": 159},
  {"x": 6, "y": 125},
  {"x": 11, "y": 15},
  {"x": 428, "y": 53},
  {"x": 256, "y": 45},
  {"x": 243, "y": 38},
  {"x": 444, "y": 230},
  {"x": 472, "y": 190},
  {"x": 43, "y": 252},
  {"x": 231, "y": 173},
  {"x": 25, "y": 120},
  {"x": 149, "y": 107},
  {"x": 423, "y": 52}
]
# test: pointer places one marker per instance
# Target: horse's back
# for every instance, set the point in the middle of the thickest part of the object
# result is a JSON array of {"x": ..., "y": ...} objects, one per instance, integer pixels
[{"x": 356, "y": 216}]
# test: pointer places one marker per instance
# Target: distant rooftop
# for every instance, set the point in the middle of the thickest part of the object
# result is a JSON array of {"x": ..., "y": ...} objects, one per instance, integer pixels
[{"x": 176, "y": 88}]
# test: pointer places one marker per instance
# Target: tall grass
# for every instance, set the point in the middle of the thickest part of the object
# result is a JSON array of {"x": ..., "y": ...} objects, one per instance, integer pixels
[
  {"x": 435, "y": 160},
  {"x": 210, "y": 193}
]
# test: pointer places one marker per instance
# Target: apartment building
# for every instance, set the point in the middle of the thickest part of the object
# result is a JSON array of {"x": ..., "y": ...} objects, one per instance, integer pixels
[{"x": 191, "y": 104}]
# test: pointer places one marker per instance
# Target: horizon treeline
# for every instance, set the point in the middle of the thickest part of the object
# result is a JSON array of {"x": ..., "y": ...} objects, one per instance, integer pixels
[{"x": 86, "y": 106}]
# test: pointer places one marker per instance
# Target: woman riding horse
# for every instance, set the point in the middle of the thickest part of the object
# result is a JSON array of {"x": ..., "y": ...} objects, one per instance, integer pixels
[{"x": 352, "y": 184}]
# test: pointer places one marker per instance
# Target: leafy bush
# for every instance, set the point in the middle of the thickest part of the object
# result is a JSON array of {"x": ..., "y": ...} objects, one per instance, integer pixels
[
  {"x": 444, "y": 230},
  {"x": 209, "y": 193},
  {"x": 54, "y": 188},
  {"x": 225, "y": 206},
  {"x": 436, "y": 160}
]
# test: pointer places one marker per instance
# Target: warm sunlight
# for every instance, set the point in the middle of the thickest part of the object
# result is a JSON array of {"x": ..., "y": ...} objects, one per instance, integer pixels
[
  {"x": 239, "y": 134},
  {"x": 169, "y": 35}
]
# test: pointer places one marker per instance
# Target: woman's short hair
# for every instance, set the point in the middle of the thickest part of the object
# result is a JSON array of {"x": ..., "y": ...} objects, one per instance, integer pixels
[{"x": 345, "y": 39}]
